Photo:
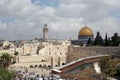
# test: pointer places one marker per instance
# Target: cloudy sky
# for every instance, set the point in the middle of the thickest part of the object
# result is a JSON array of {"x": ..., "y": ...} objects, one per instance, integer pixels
[{"x": 24, "y": 19}]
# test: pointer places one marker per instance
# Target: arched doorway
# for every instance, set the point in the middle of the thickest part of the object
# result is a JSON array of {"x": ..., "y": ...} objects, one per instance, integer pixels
[
  {"x": 63, "y": 63},
  {"x": 56, "y": 65},
  {"x": 36, "y": 66},
  {"x": 31, "y": 66},
  {"x": 44, "y": 66},
  {"x": 40, "y": 66},
  {"x": 49, "y": 66}
]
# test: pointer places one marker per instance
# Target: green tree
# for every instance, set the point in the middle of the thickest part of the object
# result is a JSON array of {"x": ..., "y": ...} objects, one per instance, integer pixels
[
  {"x": 109, "y": 42},
  {"x": 117, "y": 75},
  {"x": 106, "y": 41},
  {"x": 98, "y": 40},
  {"x": 5, "y": 74},
  {"x": 14, "y": 58},
  {"x": 115, "y": 40},
  {"x": 89, "y": 42},
  {"x": 5, "y": 59},
  {"x": 16, "y": 53},
  {"x": 109, "y": 67},
  {"x": 117, "y": 54}
]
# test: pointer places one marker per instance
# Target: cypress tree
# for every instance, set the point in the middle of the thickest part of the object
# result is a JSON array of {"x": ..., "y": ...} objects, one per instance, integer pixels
[
  {"x": 98, "y": 40},
  {"x": 106, "y": 41},
  {"x": 109, "y": 42},
  {"x": 89, "y": 42}
]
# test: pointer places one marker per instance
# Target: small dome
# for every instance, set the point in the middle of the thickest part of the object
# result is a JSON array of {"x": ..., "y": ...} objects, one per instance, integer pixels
[{"x": 85, "y": 31}]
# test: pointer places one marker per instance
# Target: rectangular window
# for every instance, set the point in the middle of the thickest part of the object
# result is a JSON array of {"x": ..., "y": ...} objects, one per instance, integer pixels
[
  {"x": 60, "y": 53},
  {"x": 55, "y": 53}
]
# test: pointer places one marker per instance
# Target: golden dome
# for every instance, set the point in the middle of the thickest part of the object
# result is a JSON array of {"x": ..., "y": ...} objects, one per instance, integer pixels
[{"x": 85, "y": 31}]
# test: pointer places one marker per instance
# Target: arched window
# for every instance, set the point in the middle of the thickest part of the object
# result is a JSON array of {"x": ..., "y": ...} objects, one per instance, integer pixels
[
  {"x": 56, "y": 65},
  {"x": 45, "y": 66},
  {"x": 63, "y": 63},
  {"x": 49, "y": 66},
  {"x": 31, "y": 66},
  {"x": 35, "y": 66},
  {"x": 40, "y": 66}
]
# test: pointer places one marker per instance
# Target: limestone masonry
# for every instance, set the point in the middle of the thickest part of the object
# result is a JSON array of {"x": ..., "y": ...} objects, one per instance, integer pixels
[{"x": 76, "y": 52}]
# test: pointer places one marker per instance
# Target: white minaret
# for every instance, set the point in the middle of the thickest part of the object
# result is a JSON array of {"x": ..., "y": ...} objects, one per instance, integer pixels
[{"x": 45, "y": 32}]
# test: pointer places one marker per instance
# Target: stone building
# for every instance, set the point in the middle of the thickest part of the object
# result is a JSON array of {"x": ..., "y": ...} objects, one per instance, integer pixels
[
  {"x": 37, "y": 52},
  {"x": 7, "y": 47},
  {"x": 51, "y": 54},
  {"x": 43, "y": 52}
]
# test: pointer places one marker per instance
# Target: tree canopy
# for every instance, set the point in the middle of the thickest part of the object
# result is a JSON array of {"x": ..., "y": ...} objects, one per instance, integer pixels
[
  {"x": 5, "y": 59},
  {"x": 98, "y": 40},
  {"x": 16, "y": 53},
  {"x": 90, "y": 42},
  {"x": 5, "y": 74},
  {"x": 110, "y": 67},
  {"x": 115, "y": 40},
  {"x": 107, "y": 41}
]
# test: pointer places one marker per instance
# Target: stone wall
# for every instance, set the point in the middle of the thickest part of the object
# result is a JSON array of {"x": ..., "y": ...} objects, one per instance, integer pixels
[
  {"x": 27, "y": 61},
  {"x": 76, "y": 52}
]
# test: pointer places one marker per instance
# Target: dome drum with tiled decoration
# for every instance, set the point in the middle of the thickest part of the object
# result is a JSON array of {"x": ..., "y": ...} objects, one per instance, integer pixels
[{"x": 84, "y": 34}]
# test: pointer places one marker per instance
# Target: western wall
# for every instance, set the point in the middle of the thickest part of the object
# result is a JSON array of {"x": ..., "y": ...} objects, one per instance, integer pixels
[{"x": 76, "y": 52}]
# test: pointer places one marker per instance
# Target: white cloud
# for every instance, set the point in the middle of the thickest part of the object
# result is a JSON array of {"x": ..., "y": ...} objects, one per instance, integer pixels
[
  {"x": 109, "y": 25},
  {"x": 2, "y": 26},
  {"x": 71, "y": 10},
  {"x": 23, "y": 19},
  {"x": 112, "y": 3},
  {"x": 17, "y": 9}
]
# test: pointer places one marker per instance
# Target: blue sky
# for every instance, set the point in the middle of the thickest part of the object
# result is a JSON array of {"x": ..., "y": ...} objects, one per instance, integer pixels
[
  {"x": 115, "y": 13},
  {"x": 24, "y": 19},
  {"x": 51, "y": 3}
]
